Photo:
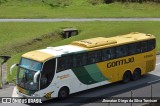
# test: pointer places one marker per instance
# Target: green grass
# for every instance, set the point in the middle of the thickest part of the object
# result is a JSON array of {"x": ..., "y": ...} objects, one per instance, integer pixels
[
  {"x": 76, "y": 9},
  {"x": 18, "y": 38}
]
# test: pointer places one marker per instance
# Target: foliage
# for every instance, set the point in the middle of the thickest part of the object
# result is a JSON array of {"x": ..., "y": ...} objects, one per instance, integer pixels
[
  {"x": 2, "y": 1},
  {"x": 76, "y": 9},
  {"x": 57, "y": 3},
  {"x": 96, "y": 2}
]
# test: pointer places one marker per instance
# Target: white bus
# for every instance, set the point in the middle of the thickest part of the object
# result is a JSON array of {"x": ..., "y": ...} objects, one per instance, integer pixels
[{"x": 63, "y": 70}]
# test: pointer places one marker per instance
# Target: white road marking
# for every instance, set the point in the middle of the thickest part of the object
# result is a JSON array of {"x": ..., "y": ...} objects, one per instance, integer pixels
[
  {"x": 14, "y": 94},
  {"x": 153, "y": 81},
  {"x": 157, "y": 64}
]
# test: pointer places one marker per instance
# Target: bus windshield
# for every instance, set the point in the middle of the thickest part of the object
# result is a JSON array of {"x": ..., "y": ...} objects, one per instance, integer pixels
[{"x": 27, "y": 69}]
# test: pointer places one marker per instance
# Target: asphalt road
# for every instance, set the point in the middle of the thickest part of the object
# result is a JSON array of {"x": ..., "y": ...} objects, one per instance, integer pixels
[
  {"x": 79, "y": 19},
  {"x": 103, "y": 91}
]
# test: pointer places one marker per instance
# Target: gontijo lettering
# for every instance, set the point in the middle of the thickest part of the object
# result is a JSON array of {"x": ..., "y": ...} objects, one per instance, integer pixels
[{"x": 120, "y": 62}]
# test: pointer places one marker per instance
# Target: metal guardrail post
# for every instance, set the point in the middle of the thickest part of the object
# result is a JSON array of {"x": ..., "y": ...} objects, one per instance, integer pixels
[
  {"x": 151, "y": 91},
  {"x": 131, "y": 96}
]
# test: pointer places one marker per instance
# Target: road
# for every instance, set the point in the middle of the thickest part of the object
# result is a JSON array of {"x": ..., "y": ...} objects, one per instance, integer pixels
[
  {"x": 79, "y": 19},
  {"x": 103, "y": 91}
]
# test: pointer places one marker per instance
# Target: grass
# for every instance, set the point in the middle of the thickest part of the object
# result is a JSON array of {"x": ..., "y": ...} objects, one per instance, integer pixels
[
  {"x": 13, "y": 34},
  {"x": 76, "y": 9},
  {"x": 18, "y": 38}
]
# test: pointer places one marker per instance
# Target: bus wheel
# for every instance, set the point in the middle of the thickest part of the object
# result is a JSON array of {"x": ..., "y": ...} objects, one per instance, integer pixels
[
  {"x": 136, "y": 74},
  {"x": 63, "y": 93},
  {"x": 126, "y": 77}
]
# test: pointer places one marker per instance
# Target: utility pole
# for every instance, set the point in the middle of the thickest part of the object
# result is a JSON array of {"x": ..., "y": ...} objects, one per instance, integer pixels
[{"x": 5, "y": 59}]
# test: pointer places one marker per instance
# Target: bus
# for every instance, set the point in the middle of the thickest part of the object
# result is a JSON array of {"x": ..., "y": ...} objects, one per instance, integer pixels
[{"x": 63, "y": 70}]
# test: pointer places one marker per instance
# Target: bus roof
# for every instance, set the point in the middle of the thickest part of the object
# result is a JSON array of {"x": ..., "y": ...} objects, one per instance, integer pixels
[
  {"x": 85, "y": 45},
  {"x": 52, "y": 52},
  {"x": 117, "y": 40}
]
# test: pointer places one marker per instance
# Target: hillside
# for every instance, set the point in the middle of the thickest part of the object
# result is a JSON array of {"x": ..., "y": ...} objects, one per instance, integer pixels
[
  {"x": 76, "y": 9},
  {"x": 18, "y": 38}
]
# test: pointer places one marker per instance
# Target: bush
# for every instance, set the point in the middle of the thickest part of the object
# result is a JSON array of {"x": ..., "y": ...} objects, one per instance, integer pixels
[
  {"x": 95, "y": 2},
  {"x": 2, "y": 1},
  {"x": 57, "y": 3},
  {"x": 108, "y": 1},
  {"x": 138, "y": 1}
]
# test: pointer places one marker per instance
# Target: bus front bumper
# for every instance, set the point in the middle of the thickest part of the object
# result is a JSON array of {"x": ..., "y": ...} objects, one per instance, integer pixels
[{"x": 18, "y": 94}]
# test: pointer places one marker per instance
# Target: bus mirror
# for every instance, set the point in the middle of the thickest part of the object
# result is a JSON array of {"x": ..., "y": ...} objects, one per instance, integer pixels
[
  {"x": 36, "y": 76},
  {"x": 11, "y": 69}
]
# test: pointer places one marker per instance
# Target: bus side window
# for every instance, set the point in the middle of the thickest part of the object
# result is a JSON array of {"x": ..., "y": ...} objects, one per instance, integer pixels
[
  {"x": 65, "y": 62},
  {"x": 69, "y": 62},
  {"x": 108, "y": 54},
  {"x": 94, "y": 57},
  {"x": 61, "y": 64},
  {"x": 151, "y": 44},
  {"x": 121, "y": 51},
  {"x": 138, "y": 47},
  {"x": 144, "y": 46},
  {"x": 79, "y": 60},
  {"x": 132, "y": 49}
]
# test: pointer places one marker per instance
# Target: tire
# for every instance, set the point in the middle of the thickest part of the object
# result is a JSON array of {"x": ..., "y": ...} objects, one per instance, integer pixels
[
  {"x": 126, "y": 77},
  {"x": 63, "y": 93},
  {"x": 136, "y": 75}
]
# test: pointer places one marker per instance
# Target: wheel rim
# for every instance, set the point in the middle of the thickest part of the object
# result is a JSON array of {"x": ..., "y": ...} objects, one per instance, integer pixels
[
  {"x": 63, "y": 93},
  {"x": 127, "y": 77},
  {"x": 136, "y": 75}
]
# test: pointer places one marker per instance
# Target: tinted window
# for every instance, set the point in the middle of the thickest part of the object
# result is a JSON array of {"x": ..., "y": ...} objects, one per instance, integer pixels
[
  {"x": 80, "y": 60},
  {"x": 132, "y": 48},
  {"x": 151, "y": 44},
  {"x": 64, "y": 63},
  {"x": 61, "y": 64},
  {"x": 108, "y": 54},
  {"x": 144, "y": 46},
  {"x": 121, "y": 51},
  {"x": 135, "y": 48},
  {"x": 94, "y": 57}
]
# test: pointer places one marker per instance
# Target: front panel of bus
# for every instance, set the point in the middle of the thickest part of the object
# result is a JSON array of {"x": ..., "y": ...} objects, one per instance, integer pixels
[{"x": 25, "y": 76}]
